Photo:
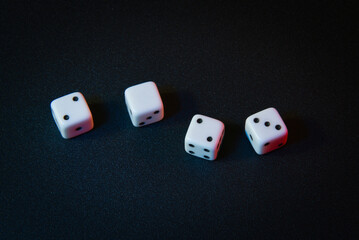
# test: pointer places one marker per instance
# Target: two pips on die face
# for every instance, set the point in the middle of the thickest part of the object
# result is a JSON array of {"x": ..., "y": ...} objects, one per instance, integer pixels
[
  {"x": 144, "y": 104},
  {"x": 72, "y": 115},
  {"x": 204, "y": 137}
]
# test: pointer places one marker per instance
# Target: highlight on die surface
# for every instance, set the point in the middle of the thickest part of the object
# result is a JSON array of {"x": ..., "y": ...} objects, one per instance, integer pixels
[
  {"x": 72, "y": 115},
  {"x": 144, "y": 104},
  {"x": 204, "y": 137},
  {"x": 266, "y": 131}
]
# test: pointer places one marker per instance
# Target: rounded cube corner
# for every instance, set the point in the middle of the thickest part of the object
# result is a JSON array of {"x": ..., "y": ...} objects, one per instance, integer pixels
[
  {"x": 258, "y": 151},
  {"x": 52, "y": 105},
  {"x": 223, "y": 127},
  {"x": 151, "y": 83},
  {"x": 273, "y": 109},
  {"x": 65, "y": 137},
  {"x": 78, "y": 93},
  {"x": 126, "y": 92},
  {"x": 247, "y": 121}
]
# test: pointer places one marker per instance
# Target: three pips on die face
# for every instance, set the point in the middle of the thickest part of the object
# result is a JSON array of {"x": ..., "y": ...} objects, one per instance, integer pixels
[{"x": 265, "y": 130}]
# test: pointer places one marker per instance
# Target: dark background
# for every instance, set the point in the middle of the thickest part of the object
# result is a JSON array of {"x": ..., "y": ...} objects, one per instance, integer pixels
[{"x": 226, "y": 60}]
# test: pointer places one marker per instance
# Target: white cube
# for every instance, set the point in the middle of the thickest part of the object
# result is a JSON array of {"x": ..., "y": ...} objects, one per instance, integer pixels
[
  {"x": 204, "y": 137},
  {"x": 144, "y": 104},
  {"x": 266, "y": 131},
  {"x": 72, "y": 115}
]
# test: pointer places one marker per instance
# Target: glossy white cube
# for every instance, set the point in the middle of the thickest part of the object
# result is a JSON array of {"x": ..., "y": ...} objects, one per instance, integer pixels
[
  {"x": 266, "y": 131},
  {"x": 144, "y": 104},
  {"x": 204, "y": 137},
  {"x": 72, "y": 115}
]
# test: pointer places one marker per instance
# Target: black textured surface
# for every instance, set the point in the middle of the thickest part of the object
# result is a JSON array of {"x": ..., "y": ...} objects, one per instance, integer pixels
[{"x": 225, "y": 60}]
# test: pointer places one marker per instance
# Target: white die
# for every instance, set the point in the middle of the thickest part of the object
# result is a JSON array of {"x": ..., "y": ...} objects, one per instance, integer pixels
[
  {"x": 72, "y": 115},
  {"x": 266, "y": 131},
  {"x": 144, "y": 104},
  {"x": 204, "y": 137}
]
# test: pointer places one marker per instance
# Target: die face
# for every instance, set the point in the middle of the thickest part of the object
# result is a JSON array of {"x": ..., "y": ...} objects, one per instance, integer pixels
[
  {"x": 144, "y": 104},
  {"x": 72, "y": 115},
  {"x": 266, "y": 131},
  {"x": 204, "y": 137}
]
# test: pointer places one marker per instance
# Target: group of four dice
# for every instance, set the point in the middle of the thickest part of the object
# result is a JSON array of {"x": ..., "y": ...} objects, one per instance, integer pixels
[{"x": 265, "y": 130}]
